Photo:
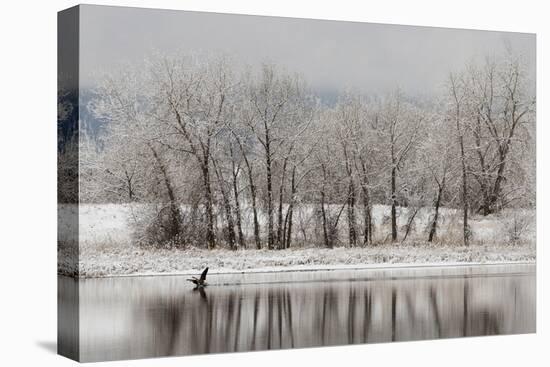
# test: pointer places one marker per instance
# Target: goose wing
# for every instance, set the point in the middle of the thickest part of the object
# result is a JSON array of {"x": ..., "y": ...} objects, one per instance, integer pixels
[{"x": 203, "y": 275}]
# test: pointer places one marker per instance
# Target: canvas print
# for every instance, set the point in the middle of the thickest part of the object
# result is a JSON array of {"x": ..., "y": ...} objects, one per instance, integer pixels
[{"x": 232, "y": 183}]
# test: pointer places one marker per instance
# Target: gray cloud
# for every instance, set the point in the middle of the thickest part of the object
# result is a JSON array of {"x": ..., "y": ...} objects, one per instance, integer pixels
[{"x": 331, "y": 55}]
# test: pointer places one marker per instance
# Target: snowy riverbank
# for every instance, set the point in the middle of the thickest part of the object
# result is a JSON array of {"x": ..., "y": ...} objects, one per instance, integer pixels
[
  {"x": 129, "y": 260},
  {"x": 106, "y": 246}
]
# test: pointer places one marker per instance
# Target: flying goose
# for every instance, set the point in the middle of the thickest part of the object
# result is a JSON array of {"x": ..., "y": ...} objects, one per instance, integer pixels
[{"x": 199, "y": 282}]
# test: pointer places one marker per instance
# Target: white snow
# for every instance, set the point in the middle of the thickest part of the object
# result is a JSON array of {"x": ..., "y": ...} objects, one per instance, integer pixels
[
  {"x": 106, "y": 247},
  {"x": 111, "y": 223}
]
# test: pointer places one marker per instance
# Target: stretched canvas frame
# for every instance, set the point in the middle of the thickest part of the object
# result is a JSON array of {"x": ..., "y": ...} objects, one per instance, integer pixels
[{"x": 233, "y": 183}]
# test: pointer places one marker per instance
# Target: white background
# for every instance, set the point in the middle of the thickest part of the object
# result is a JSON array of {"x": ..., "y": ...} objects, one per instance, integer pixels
[{"x": 28, "y": 182}]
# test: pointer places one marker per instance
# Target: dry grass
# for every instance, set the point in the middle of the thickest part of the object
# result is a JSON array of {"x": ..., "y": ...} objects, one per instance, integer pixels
[{"x": 111, "y": 260}]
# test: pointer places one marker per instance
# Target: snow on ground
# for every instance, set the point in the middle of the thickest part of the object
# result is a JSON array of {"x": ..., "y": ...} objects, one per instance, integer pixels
[
  {"x": 106, "y": 247},
  {"x": 128, "y": 260},
  {"x": 112, "y": 223}
]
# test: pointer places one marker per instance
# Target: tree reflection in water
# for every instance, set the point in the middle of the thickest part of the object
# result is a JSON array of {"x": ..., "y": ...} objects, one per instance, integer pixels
[{"x": 174, "y": 320}]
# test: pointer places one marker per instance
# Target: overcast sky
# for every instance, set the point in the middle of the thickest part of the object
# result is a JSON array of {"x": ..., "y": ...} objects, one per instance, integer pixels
[{"x": 331, "y": 55}]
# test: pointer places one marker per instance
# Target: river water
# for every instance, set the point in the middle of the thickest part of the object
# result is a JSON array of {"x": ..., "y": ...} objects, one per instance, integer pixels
[{"x": 141, "y": 317}]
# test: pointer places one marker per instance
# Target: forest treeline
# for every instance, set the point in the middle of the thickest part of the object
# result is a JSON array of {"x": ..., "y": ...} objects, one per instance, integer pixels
[{"x": 215, "y": 146}]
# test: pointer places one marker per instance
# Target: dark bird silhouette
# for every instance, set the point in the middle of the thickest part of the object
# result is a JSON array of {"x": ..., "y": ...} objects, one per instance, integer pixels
[{"x": 199, "y": 282}]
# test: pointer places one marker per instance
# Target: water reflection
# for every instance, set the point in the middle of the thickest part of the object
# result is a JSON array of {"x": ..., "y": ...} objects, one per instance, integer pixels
[{"x": 148, "y": 317}]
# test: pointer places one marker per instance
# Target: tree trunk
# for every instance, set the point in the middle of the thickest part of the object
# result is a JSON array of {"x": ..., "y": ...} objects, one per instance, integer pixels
[
  {"x": 253, "y": 195},
  {"x": 483, "y": 177},
  {"x": 287, "y": 238},
  {"x": 326, "y": 230},
  {"x": 352, "y": 234},
  {"x": 227, "y": 208},
  {"x": 210, "y": 234},
  {"x": 280, "y": 229},
  {"x": 466, "y": 231},
  {"x": 238, "y": 215},
  {"x": 367, "y": 215},
  {"x": 175, "y": 212},
  {"x": 269, "y": 182},
  {"x": 326, "y": 225},
  {"x": 495, "y": 193},
  {"x": 436, "y": 214},
  {"x": 409, "y": 224},
  {"x": 288, "y": 220},
  {"x": 393, "y": 204},
  {"x": 129, "y": 185},
  {"x": 235, "y": 175},
  {"x": 257, "y": 239},
  {"x": 229, "y": 218},
  {"x": 367, "y": 218}
]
